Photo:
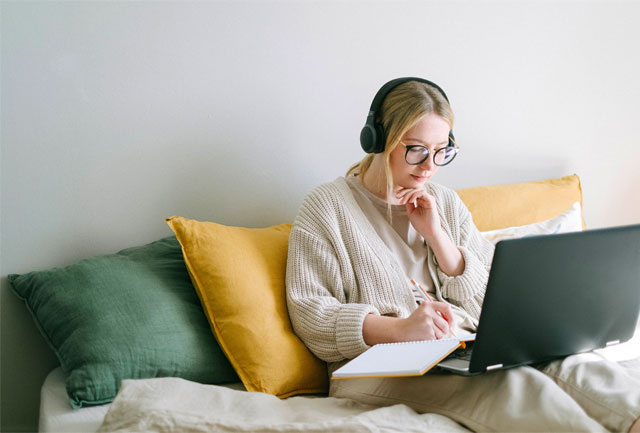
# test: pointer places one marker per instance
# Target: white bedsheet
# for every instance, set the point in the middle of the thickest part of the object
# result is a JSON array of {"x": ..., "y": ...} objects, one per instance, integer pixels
[{"x": 56, "y": 413}]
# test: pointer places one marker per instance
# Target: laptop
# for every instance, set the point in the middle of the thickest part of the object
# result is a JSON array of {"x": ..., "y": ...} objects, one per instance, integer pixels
[{"x": 550, "y": 296}]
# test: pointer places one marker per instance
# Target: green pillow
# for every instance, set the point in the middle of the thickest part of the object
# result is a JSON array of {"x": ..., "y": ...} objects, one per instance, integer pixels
[{"x": 129, "y": 315}]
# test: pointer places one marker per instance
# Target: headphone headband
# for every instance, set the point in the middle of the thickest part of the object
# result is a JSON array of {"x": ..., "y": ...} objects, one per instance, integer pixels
[{"x": 372, "y": 135}]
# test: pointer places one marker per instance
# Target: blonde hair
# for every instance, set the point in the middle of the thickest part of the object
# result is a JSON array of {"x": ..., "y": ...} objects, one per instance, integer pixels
[{"x": 401, "y": 109}]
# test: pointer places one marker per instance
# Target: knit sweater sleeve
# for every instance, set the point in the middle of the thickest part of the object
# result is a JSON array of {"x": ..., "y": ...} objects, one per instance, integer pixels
[
  {"x": 466, "y": 290},
  {"x": 318, "y": 295}
]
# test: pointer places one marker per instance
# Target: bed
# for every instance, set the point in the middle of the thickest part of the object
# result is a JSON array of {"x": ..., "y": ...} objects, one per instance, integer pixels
[
  {"x": 173, "y": 404},
  {"x": 191, "y": 332},
  {"x": 303, "y": 414}
]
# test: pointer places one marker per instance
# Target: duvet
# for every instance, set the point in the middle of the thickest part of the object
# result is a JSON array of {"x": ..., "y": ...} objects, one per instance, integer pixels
[{"x": 178, "y": 405}]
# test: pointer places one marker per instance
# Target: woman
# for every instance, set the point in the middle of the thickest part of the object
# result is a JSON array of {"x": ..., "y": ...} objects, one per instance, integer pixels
[{"x": 358, "y": 241}]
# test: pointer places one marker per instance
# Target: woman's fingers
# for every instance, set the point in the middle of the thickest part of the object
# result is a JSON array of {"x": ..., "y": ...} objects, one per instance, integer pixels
[
  {"x": 402, "y": 192},
  {"x": 433, "y": 319},
  {"x": 438, "y": 334},
  {"x": 446, "y": 314},
  {"x": 441, "y": 324},
  {"x": 444, "y": 309},
  {"x": 411, "y": 197},
  {"x": 408, "y": 191},
  {"x": 420, "y": 196}
]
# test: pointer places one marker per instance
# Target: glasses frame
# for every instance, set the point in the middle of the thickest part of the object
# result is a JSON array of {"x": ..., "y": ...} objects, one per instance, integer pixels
[{"x": 412, "y": 146}]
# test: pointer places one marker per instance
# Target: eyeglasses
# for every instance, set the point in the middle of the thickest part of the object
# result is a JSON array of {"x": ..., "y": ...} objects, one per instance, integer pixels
[{"x": 417, "y": 154}]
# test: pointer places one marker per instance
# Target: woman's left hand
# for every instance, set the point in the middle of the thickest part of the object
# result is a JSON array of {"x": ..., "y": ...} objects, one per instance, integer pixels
[{"x": 424, "y": 215}]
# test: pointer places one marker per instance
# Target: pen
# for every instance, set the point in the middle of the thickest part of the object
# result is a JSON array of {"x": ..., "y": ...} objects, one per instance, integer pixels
[{"x": 418, "y": 286}]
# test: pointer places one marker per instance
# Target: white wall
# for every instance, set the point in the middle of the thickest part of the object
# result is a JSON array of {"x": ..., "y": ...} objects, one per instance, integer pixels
[{"x": 116, "y": 115}]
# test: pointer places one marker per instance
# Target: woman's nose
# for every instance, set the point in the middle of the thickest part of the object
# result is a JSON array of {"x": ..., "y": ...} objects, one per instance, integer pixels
[{"x": 427, "y": 164}]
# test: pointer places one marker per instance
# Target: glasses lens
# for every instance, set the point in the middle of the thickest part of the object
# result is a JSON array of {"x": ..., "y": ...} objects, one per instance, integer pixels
[
  {"x": 445, "y": 155},
  {"x": 416, "y": 154}
]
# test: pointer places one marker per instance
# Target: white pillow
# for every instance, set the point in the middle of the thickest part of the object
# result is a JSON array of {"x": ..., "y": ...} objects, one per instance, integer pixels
[{"x": 570, "y": 221}]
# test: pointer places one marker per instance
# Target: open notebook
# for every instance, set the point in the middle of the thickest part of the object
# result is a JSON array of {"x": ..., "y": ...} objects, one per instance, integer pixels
[{"x": 411, "y": 358}]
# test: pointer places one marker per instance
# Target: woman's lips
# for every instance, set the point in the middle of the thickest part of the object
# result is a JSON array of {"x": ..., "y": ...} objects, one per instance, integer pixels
[{"x": 419, "y": 178}]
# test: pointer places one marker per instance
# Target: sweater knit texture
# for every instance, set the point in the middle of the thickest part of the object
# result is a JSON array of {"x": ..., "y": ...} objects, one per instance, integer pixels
[{"x": 339, "y": 270}]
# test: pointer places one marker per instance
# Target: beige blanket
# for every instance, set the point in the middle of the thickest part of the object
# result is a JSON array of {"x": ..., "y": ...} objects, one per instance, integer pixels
[{"x": 178, "y": 405}]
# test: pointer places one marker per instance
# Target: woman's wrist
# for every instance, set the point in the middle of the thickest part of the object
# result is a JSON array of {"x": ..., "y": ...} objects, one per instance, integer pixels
[
  {"x": 436, "y": 237},
  {"x": 381, "y": 329},
  {"x": 449, "y": 258}
]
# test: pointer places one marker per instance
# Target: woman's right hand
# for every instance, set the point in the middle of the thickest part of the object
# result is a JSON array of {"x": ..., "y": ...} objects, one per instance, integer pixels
[{"x": 425, "y": 323}]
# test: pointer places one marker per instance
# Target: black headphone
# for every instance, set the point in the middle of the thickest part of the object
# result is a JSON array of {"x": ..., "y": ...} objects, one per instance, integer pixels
[{"x": 372, "y": 136}]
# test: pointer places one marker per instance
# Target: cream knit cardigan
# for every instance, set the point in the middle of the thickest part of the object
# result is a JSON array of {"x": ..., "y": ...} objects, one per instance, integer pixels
[{"x": 339, "y": 270}]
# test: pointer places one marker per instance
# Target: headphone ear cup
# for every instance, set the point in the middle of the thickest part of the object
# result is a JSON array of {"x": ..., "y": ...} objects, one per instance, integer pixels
[
  {"x": 381, "y": 140},
  {"x": 368, "y": 138},
  {"x": 372, "y": 137}
]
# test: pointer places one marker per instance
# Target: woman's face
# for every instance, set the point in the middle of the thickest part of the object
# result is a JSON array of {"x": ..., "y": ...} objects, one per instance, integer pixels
[{"x": 432, "y": 132}]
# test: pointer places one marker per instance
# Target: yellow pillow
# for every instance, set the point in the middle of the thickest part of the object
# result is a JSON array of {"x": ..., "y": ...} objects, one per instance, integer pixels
[
  {"x": 500, "y": 206},
  {"x": 239, "y": 274}
]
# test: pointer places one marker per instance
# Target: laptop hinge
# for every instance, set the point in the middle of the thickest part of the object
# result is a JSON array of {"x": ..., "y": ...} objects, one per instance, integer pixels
[
  {"x": 611, "y": 343},
  {"x": 494, "y": 366}
]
